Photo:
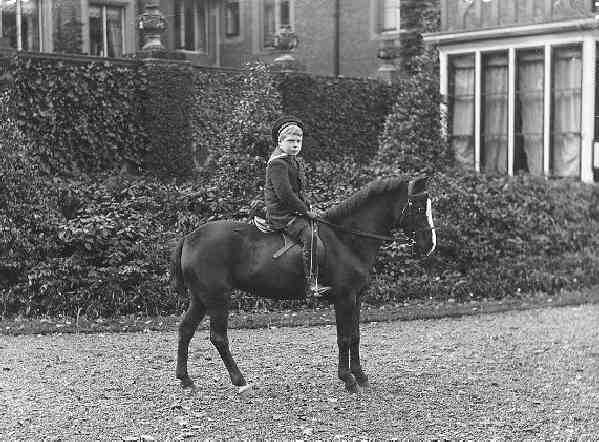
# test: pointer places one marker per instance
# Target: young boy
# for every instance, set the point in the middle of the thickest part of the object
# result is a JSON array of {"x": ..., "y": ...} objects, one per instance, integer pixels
[{"x": 284, "y": 194}]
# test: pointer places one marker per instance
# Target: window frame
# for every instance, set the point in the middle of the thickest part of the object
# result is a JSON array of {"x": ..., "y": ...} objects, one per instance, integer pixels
[
  {"x": 123, "y": 10},
  {"x": 19, "y": 25},
  {"x": 179, "y": 35},
  {"x": 278, "y": 23},
  {"x": 548, "y": 116},
  {"x": 237, "y": 36},
  {"x": 377, "y": 9},
  {"x": 451, "y": 99}
]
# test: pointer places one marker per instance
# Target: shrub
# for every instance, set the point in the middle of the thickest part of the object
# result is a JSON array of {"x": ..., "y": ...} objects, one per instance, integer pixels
[
  {"x": 343, "y": 116},
  {"x": 412, "y": 139}
]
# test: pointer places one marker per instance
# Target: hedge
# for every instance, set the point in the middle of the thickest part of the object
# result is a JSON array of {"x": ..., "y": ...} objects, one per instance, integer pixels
[
  {"x": 98, "y": 243},
  {"x": 81, "y": 117},
  {"x": 88, "y": 116}
]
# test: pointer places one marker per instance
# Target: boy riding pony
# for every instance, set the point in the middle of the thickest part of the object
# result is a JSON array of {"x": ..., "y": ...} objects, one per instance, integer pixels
[{"x": 285, "y": 194}]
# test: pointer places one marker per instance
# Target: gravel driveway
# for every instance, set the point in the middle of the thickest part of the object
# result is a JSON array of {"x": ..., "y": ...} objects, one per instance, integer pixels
[{"x": 519, "y": 374}]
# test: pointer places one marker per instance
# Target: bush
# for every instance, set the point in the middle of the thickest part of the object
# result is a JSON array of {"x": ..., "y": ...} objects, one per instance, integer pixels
[
  {"x": 500, "y": 236},
  {"x": 343, "y": 116},
  {"x": 81, "y": 117},
  {"x": 412, "y": 140}
]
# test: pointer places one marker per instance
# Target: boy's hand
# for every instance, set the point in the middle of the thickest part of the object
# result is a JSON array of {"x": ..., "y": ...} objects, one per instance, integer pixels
[{"x": 311, "y": 214}]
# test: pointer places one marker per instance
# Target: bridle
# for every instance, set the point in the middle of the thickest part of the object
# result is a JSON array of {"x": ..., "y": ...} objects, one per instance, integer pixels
[{"x": 406, "y": 240}]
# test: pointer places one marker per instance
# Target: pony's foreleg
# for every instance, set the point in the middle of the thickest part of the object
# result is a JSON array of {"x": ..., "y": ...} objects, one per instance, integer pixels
[
  {"x": 354, "y": 349},
  {"x": 344, "y": 308},
  {"x": 191, "y": 319},
  {"x": 218, "y": 337}
]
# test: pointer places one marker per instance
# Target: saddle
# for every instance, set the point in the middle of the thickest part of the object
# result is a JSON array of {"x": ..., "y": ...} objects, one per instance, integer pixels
[{"x": 288, "y": 242}]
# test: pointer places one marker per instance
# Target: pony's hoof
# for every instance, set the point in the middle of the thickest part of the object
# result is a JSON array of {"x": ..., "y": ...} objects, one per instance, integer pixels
[
  {"x": 353, "y": 388},
  {"x": 365, "y": 385},
  {"x": 188, "y": 384},
  {"x": 245, "y": 390}
]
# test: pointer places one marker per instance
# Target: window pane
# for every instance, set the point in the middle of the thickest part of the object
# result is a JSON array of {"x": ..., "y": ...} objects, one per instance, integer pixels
[
  {"x": 461, "y": 108},
  {"x": 114, "y": 31},
  {"x": 8, "y": 23},
  {"x": 179, "y": 31},
  {"x": 96, "y": 39},
  {"x": 528, "y": 152},
  {"x": 30, "y": 37},
  {"x": 494, "y": 107},
  {"x": 567, "y": 107},
  {"x": 232, "y": 18},
  {"x": 390, "y": 15},
  {"x": 189, "y": 25},
  {"x": 269, "y": 23},
  {"x": 201, "y": 31},
  {"x": 285, "y": 13}
]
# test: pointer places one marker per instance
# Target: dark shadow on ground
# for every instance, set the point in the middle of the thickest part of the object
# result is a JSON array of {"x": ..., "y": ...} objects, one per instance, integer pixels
[{"x": 318, "y": 315}]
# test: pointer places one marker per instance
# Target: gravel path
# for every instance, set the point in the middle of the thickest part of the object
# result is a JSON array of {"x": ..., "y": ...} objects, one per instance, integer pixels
[{"x": 520, "y": 374}]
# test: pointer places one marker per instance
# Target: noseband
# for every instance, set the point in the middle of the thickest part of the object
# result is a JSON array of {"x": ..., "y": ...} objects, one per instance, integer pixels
[{"x": 406, "y": 240}]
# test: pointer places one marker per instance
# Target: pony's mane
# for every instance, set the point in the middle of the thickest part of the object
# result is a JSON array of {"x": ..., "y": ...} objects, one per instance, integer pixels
[{"x": 348, "y": 206}]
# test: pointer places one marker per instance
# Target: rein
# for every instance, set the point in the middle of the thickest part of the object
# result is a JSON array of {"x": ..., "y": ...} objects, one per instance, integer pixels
[
  {"x": 354, "y": 232},
  {"x": 406, "y": 240}
]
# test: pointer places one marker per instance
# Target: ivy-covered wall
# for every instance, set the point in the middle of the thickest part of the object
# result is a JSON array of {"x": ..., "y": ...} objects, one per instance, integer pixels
[{"x": 81, "y": 116}]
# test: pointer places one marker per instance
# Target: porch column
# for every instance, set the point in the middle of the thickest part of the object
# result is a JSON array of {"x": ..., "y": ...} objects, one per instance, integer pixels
[
  {"x": 444, "y": 90},
  {"x": 547, "y": 114},
  {"x": 477, "y": 109},
  {"x": 588, "y": 109}
]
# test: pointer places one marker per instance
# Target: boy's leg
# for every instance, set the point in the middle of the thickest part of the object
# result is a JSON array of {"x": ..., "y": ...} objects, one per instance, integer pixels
[{"x": 301, "y": 231}]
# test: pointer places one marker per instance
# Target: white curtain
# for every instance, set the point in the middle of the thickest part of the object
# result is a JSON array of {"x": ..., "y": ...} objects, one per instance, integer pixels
[
  {"x": 462, "y": 111},
  {"x": 567, "y": 96},
  {"x": 30, "y": 37},
  {"x": 495, "y": 103},
  {"x": 114, "y": 30},
  {"x": 269, "y": 23},
  {"x": 528, "y": 156},
  {"x": 8, "y": 23}
]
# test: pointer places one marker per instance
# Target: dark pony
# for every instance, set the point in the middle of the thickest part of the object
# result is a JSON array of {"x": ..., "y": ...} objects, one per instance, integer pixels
[{"x": 222, "y": 255}]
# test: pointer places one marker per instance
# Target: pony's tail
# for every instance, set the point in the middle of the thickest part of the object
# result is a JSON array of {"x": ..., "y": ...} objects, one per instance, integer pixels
[{"x": 176, "y": 273}]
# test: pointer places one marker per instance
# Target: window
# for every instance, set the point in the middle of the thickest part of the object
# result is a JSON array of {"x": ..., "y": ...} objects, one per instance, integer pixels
[
  {"x": 23, "y": 15},
  {"x": 387, "y": 16},
  {"x": 390, "y": 16},
  {"x": 232, "y": 19},
  {"x": 494, "y": 101},
  {"x": 190, "y": 25},
  {"x": 278, "y": 14},
  {"x": 546, "y": 117},
  {"x": 461, "y": 108},
  {"x": 567, "y": 108},
  {"x": 106, "y": 36},
  {"x": 530, "y": 84}
]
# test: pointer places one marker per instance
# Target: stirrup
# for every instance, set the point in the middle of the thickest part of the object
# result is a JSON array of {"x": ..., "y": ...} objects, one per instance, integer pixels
[{"x": 318, "y": 290}]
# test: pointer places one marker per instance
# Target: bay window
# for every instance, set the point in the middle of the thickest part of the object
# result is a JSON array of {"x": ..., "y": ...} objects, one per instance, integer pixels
[
  {"x": 106, "y": 30},
  {"x": 20, "y": 24},
  {"x": 519, "y": 110}
]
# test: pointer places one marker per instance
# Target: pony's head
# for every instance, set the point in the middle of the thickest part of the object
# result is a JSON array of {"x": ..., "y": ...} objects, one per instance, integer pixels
[{"x": 416, "y": 217}]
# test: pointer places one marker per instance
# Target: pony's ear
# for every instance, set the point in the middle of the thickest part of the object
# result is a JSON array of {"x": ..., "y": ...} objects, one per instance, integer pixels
[{"x": 417, "y": 185}]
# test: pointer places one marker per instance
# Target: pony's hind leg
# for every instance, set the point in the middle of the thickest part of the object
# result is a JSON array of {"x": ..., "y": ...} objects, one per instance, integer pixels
[
  {"x": 218, "y": 336},
  {"x": 191, "y": 319}
]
